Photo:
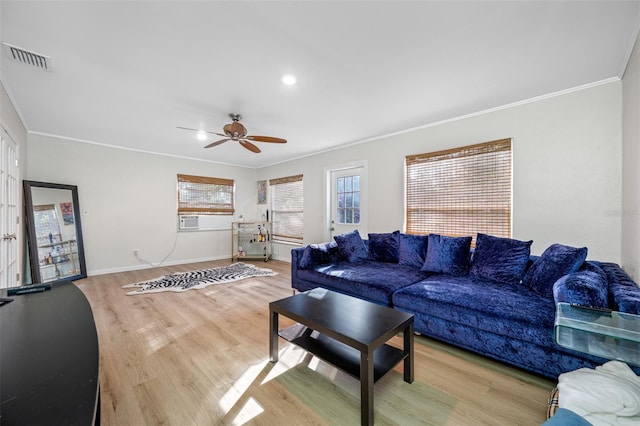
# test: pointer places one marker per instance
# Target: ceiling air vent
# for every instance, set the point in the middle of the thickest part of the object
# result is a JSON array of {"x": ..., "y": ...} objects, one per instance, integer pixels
[{"x": 24, "y": 56}]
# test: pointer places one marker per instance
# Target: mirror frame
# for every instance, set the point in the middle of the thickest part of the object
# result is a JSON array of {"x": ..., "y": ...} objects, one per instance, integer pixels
[{"x": 32, "y": 243}]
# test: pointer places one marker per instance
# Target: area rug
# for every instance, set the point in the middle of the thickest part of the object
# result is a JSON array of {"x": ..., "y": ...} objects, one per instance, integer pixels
[{"x": 184, "y": 281}]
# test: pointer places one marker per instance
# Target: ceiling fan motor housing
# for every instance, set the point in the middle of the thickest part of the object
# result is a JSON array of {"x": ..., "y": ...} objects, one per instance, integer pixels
[{"x": 235, "y": 130}]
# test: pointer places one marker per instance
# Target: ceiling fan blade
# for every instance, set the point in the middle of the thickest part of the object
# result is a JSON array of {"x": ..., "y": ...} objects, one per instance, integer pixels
[
  {"x": 212, "y": 144},
  {"x": 251, "y": 147},
  {"x": 266, "y": 139},
  {"x": 198, "y": 130}
]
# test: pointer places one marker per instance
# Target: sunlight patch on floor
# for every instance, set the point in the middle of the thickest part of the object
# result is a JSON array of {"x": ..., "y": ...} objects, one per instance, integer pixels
[
  {"x": 250, "y": 410},
  {"x": 233, "y": 395},
  {"x": 240, "y": 401},
  {"x": 158, "y": 336},
  {"x": 288, "y": 357},
  {"x": 154, "y": 338},
  {"x": 248, "y": 284}
]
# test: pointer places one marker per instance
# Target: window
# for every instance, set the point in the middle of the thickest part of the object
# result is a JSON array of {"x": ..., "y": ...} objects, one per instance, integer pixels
[
  {"x": 287, "y": 202},
  {"x": 205, "y": 195},
  {"x": 47, "y": 227},
  {"x": 460, "y": 191},
  {"x": 348, "y": 194},
  {"x": 46, "y": 224}
]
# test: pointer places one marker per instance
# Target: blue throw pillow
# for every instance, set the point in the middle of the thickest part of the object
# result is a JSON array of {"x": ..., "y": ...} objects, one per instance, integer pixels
[
  {"x": 588, "y": 286},
  {"x": 412, "y": 250},
  {"x": 319, "y": 254},
  {"x": 384, "y": 247},
  {"x": 351, "y": 246},
  {"x": 447, "y": 255},
  {"x": 500, "y": 259},
  {"x": 556, "y": 261}
]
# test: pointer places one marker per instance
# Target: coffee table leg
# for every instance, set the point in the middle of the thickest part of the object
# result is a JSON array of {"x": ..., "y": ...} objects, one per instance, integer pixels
[
  {"x": 273, "y": 336},
  {"x": 366, "y": 388},
  {"x": 408, "y": 348}
]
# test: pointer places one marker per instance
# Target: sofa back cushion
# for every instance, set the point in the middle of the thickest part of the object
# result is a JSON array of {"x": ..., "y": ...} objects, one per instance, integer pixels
[
  {"x": 588, "y": 286},
  {"x": 556, "y": 261},
  {"x": 624, "y": 293},
  {"x": 384, "y": 247},
  {"x": 352, "y": 247},
  {"x": 500, "y": 259},
  {"x": 412, "y": 250},
  {"x": 447, "y": 255}
]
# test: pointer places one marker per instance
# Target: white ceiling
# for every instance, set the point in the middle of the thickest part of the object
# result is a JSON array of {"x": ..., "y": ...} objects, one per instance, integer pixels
[{"x": 126, "y": 73}]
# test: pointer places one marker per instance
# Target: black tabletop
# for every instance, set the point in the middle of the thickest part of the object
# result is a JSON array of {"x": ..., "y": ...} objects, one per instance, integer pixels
[
  {"x": 357, "y": 321},
  {"x": 49, "y": 359}
]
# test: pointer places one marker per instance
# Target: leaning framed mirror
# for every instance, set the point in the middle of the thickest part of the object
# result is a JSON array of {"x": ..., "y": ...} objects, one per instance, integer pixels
[{"x": 54, "y": 232}]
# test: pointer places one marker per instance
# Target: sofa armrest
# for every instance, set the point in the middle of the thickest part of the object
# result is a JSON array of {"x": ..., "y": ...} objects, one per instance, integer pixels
[
  {"x": 588, "y": 286},
  {"x": 296, "y": 257}
]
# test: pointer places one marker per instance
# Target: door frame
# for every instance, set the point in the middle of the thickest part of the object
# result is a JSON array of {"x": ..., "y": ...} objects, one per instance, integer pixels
[
  {"x": 11, "y": 248},
  {"x": 364, "y": 215}
]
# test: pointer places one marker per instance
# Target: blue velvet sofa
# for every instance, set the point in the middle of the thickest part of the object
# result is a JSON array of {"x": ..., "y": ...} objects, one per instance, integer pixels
[{"x": 496, "y": 299}]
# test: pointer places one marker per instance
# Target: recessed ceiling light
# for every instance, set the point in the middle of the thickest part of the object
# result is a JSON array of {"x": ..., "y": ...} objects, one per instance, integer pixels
[
  {"x": 201, "y": 135},
  {"x": 289, "y": 79}
]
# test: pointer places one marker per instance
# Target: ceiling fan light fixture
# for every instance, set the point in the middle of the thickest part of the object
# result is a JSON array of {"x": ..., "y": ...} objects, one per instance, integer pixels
[{"x": 289, "y": 79}]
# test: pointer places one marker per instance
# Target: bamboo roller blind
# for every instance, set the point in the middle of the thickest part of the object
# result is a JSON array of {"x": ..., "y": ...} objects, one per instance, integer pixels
[
  {"x": 205, "y": 195},
  {"x": 287, "y": 207},
  {"x": 460, "y": 192}
]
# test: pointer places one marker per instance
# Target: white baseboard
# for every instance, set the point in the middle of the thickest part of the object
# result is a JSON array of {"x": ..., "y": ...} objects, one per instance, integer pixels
[
  {"x": 169, "y": 263},
  {"x": 147, "y": 266}
]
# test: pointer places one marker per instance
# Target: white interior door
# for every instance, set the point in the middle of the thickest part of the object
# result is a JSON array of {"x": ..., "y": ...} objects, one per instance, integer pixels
[
  {"x": 348, "y": 201},
  {"x": 8, "y": 212}
]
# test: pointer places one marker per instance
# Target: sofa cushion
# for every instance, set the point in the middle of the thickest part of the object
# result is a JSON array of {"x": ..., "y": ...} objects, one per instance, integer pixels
[
  {"x": 318, "y": 254},
  {"x": 556, "y": 261},
  {"x": 500, "y": 259},
  {"x": 447, "y": 255},
  {"x": 384, "y": 247},
  {"x": 352, "y": 247},
  {"x": 588, "y": 286},
  {"x": 412, "y": 250},
  {"x": 487, "y": 305},
  {"x": 374, "y": 281}
]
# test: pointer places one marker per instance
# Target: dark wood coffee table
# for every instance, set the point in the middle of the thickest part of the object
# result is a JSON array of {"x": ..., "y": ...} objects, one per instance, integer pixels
[{"x": 348, "y": 333}]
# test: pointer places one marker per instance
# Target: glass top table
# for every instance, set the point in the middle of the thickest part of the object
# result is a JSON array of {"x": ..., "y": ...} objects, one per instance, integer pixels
[{"x": 607, "y": 334}]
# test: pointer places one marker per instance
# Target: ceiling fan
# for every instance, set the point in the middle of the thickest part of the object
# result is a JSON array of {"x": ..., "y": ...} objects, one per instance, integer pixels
[{"x": 237, "y": 132}]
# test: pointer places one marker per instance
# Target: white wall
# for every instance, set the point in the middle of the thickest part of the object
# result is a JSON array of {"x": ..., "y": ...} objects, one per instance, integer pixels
[
  {"x": 631, "y": 172},
  {"x": 567, "y": 182},
  {"x": 130, "y": 198},
  {"x": 567, "y": 169}
]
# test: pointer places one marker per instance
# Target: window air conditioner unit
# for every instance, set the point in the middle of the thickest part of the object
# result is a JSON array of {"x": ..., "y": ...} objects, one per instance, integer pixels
[{"x": 189, "y": 222}]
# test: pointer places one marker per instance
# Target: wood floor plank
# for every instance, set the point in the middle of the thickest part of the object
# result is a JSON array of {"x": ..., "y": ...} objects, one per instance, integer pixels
[{"x": 201, "y": 358}]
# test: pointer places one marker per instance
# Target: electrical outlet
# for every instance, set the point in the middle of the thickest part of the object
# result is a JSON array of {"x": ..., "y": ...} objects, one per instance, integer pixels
[{"x": 136, "y": 252}]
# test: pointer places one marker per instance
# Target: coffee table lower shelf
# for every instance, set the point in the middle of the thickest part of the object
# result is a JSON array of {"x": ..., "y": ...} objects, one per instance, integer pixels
[{"x": 339, "y": 354}]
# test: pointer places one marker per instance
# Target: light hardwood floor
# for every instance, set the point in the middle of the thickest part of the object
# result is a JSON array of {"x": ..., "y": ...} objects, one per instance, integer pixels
[{"x": 201, "y": 358}]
